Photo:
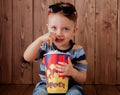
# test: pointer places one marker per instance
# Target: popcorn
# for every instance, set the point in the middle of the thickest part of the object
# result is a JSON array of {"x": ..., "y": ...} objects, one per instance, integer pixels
[{"x": 56, "y": 52}]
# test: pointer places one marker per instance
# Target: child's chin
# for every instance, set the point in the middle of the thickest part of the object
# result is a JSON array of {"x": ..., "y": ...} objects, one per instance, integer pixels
[{"x": 57, "y": 44}]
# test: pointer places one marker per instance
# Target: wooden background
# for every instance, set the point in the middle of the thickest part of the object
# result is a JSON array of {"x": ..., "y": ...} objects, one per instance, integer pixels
[{"x": 22, "y": 21}]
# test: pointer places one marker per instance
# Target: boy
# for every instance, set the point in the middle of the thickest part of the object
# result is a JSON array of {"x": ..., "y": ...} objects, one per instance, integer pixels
[{"x": 62, "y": 19}]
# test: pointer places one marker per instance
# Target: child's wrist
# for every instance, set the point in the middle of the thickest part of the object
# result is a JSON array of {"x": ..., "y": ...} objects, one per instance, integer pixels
[
  {"x": 73, "y": 72},
  {"x": 41, "y": 40}
]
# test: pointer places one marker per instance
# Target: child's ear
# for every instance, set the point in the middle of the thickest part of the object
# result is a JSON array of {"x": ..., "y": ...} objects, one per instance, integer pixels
[
  {"x": 75, "y": 30},
  {"x": 47, "y": 25}
]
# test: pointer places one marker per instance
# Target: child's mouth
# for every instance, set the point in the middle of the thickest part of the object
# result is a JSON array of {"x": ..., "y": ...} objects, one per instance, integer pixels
[{"x": 59, "y": 39}]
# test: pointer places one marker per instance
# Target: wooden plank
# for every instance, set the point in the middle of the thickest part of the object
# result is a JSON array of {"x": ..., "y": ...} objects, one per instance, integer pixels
[
  {"x": 118, "y": 48},
  {"x": 40, "y": 17},
  {"x": 70, "y": 1},
  {"x": 5, "y": 41},
  {"x": 89, "y": 90},
  {"x": 107, "y": 90},
  {"x": 118, "y": 71},
  {"x": 118, "y": 88},
  {"x": 86, "y": 32},
  {"x": 29, "y": 91},
  {"x": 15, "y": 90},
  {"x": 22, "y": 37},
  {"x": 3, "y": 88},
  {"x": 106, "y": 16}
]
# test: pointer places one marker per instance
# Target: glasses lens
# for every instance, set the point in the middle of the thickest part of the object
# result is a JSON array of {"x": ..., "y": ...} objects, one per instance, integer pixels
[
  {"x": 67, "y": 10},
  {"x": 55, "y": 8}
]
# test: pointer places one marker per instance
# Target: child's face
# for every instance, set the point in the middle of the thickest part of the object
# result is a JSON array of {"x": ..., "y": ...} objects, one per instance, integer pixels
[{"x": 63, "y": 27}]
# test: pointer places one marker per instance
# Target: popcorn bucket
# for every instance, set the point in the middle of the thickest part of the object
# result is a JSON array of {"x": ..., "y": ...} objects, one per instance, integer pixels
[{"x": 55, "y": 82}]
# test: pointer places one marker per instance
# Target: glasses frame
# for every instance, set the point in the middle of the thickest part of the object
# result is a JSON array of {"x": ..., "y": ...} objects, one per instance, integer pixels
[{"x": 67, "y": 9}]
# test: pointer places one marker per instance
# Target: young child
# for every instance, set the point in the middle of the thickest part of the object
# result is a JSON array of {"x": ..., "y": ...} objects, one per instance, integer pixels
[{"x": 62, "y": 20}]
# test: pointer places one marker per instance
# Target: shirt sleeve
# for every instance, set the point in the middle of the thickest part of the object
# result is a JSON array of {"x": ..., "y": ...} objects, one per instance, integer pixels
[
  {"x": 80, "y": 62},
  {"x": 41, "y": 51}
]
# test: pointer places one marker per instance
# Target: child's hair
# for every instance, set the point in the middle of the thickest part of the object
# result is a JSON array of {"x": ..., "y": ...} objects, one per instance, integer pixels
[{"x": 66, "y": 9}]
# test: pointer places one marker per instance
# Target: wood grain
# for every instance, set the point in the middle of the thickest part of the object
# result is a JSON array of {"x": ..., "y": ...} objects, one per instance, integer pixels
[
  {"x": 86, "y": 32},
  {"x": 6, "y": 41},
  {"x": 118, "y": 48},
  {"x": 22, "y": 37},
  {"x": 15, "y": 90},
  {"x": 118, "y": 71},
  {"x": 118, "y": 87},
  {"x": 106, "y": 17},
  {"x": 89, "y": 90},
  {"x": 107, "y": 90},
  {"x": 29, "y": 91},
  {"x": 3, "y": 88},
  {"x": 70, "y": 1}
]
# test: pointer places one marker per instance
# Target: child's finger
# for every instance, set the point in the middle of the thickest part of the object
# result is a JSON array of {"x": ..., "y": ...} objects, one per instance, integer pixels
[
  {"x": 59, "y": 66},
  {"x": 69, "y": 60},
  {"x": 61, "y": 63},
  {"x": 49, "y": 41}
]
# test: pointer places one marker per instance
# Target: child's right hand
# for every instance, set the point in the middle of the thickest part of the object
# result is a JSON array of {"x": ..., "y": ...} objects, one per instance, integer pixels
[{"x": 48, "y": 37}]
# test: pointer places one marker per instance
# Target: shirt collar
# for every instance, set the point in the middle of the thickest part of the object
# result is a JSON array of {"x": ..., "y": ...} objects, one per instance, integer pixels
[{"x": 66, "y": 50}]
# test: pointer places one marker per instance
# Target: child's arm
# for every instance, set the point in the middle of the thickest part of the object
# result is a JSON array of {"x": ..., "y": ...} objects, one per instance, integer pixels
[
  {"x": 32, "y": 50},
  {"x": 78, "y": 76}
]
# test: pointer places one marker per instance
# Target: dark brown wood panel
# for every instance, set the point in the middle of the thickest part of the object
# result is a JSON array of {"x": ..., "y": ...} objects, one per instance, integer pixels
[
  {"x": 29, "y": 91},
  {"x": 22, "y": 37},
  {"x": 3, "y": 88},
  {"x": 15, "y": 90},
  {"x": 118, "y": 48},
  {"x": 106, "y": 17},
  {"x": 5, "y": 41},
  {"x": 118, "y": 88},
  {"x": 107, "y": 90},
  {"x": 86, "y": 32},
  {"x": 89, "y": 90}
]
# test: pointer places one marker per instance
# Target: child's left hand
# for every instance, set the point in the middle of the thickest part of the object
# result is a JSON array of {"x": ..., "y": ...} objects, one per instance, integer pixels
[{"x": 64, "y": 68}]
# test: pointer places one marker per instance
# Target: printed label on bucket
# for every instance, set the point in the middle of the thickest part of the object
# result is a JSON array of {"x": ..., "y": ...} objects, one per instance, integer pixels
[{"x": 55, "y": 83}]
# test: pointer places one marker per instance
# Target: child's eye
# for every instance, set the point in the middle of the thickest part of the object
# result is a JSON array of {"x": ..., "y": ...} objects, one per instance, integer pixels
[
  {"x": 66, "y": 29},
  {"x": 53, "y": 28}
]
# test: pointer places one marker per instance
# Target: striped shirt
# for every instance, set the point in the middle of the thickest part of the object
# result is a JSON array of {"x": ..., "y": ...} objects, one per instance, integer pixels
[{"x": 78, "y": 57}]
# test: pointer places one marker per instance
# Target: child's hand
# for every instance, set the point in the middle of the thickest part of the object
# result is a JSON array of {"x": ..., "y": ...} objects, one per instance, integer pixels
[
  {"x": 64, "y": 68},
  {"x": 49, "y": 37}
]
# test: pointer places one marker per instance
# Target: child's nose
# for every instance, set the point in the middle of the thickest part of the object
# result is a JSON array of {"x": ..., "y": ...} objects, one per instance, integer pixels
[{"x": 59, "y": 32}]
